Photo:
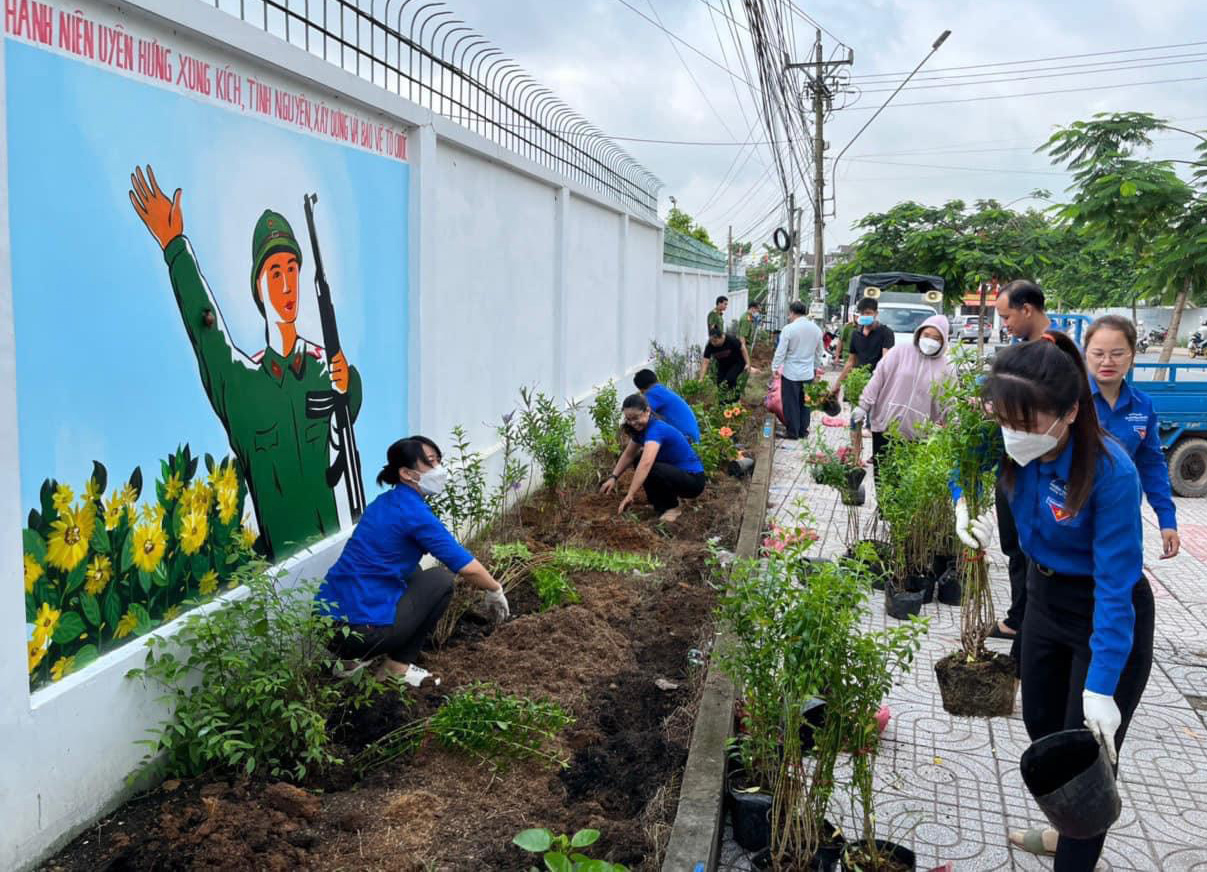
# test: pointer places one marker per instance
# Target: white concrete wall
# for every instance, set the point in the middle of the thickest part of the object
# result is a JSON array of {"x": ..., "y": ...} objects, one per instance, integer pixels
[
  {"x": 1153, "y": 317},
  {"x": 517, "y": 277}
]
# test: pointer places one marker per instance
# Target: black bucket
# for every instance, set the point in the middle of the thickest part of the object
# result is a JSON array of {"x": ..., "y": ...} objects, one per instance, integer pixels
[
  {"x": 854, "y": 497},
  {"x": 1071, "y": 779},
  {"x": 898, "y": 853},
  {"x": 751, "y": 815},
  {"x": 900, "y": 604},
  {"x": 949, "y": 590},
  {"x": 827, "y": 859},
  {"x": 923, "y": 584}
]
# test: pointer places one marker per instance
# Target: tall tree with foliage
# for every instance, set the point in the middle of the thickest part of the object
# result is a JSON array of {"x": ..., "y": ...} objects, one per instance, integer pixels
[
  {"x": 1138, "y": 204},
  {"x": 679, "y": 220}
]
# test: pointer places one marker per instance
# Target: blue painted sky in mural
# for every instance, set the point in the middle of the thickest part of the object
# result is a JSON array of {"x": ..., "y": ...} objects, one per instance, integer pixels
[{"x": 104, "y": 368}]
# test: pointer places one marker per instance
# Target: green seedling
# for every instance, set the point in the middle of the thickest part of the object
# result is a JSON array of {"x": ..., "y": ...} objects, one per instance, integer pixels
[{"x": 560, "y": 851}]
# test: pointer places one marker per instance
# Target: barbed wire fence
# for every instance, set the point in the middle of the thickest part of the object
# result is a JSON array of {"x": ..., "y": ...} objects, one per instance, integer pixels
[{"x": 420, "y": 50}]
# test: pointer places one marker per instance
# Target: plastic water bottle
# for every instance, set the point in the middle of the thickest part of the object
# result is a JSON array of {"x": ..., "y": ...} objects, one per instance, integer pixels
[{"x": 767, "y": 427}]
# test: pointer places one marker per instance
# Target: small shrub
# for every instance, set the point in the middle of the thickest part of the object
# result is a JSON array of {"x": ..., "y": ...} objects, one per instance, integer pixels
[
  {"x": 465, "y": 505},
  {"x": 590, "y": 560},
  {"x": 250, "y": 692},
  {"x": 605, "y": 412},
  {"x": 514, "y": 470},
  {"x": 547, "y": 433},
  {"x": 554, "y": 587},
  {"x": 560, "y": 853},
  {"x": 483, "y": 721},
  {"x": 857, "y": 379}
]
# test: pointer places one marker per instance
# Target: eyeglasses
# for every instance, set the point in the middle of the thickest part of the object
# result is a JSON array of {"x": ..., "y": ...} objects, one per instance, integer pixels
[{"x": 1114, "y": 357}]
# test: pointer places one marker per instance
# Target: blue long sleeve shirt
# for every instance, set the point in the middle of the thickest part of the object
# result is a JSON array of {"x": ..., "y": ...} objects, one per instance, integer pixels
[
  {"x": 674, "y": 410},
  {"x": 1134, "y": 423},
  {"x": 1104, "y": 540},
  {"x": 370, "y": 576}
]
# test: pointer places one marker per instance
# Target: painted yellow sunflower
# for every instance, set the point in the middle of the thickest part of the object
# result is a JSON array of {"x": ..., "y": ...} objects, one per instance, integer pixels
[
  {"x": 149, "y": 545},
  {"x": 208, "y": 583},
  {"x": 173, "y": 486},
  {"x": 61, "y": 667},
  {"x": 129, "y": 495},
  {"x": 92, "y": 490},
  {"x": 131, "y": 514},
  {"x": 113, "y": 512},
  {"x": 68, "y": 542},
  {"x": 198, "y": 497},
  {"x": 45, "y": 622},
  {"x": 171, "y": 614},
  {"x": 33, "y": 571},
  {"x": 249, "y": 537},
  {"x": 63, "y": 498},
  {"x": 152, "y": 513},
  {"x": 125, "y": 626},
  {"x": 36, "y": 653},
  {"x": 194, "y": 527},
  {"x": 228, "y": 502},
  {"x": 98, "y": 574}
]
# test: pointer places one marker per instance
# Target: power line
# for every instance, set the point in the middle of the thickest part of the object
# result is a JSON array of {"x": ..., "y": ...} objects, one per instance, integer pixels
[
  {"x": 889, "y": 163},
  {"x": 1039, "y": 93},
  {"x": 1106, "y": 66},
  {"x": 1198, "y": 60},
  {"x": 682, "y": 41},
  {"x": 1016, "y": 64}
]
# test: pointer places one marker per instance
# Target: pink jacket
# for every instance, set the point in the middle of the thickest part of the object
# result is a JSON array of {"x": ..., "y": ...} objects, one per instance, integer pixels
[{"x": 901, "y": 388}]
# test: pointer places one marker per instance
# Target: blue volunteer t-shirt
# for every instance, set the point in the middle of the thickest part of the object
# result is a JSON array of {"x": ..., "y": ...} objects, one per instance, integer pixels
[
  {"x": 370, "y": 576},
  {"x": 1134, "y": 423},
  {"x": 673, "y": 447},
  {"x": 673, "y": 409}
]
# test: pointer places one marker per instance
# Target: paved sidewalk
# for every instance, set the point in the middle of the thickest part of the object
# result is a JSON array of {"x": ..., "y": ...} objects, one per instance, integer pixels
[{"x": 951, "y": 787}]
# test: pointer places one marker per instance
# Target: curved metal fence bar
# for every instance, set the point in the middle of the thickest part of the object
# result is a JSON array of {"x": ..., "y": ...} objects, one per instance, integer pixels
[{"x": 414, "y": 48}]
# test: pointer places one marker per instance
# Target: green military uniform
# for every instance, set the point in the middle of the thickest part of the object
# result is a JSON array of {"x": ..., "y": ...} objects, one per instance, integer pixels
[
  {"x": 261, "y": 400},
  {"x": 716, "y": 321},
  {"x": 746, "y": 329}
]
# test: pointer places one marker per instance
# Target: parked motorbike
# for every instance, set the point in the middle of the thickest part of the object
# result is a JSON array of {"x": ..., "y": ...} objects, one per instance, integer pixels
[
  {"x": 1198, "y": 345},
  {"x": 1157, "y": 335},
  {"x": 1142, "y": 344}
]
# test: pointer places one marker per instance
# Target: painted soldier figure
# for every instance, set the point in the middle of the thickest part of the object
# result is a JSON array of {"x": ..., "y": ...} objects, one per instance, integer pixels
[{"x": 271, "y": 403}]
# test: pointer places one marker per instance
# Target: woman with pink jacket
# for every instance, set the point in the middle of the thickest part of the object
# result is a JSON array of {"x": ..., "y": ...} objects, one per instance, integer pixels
[{"x": 902, "y": 389}]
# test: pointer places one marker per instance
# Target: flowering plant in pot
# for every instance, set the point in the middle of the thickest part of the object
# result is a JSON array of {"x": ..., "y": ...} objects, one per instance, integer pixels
[
  {"x": 973, "y": 681},
  {"x": 839, "y": 469}
]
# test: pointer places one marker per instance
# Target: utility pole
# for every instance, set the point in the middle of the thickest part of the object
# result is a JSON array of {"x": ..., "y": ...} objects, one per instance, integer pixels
[
  {"x": 821, "y": 97},
  {"x": 822, "y": 88}
]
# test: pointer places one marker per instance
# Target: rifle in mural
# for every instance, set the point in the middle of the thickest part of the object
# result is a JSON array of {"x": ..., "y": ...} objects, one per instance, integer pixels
[{"x": 347, "y": 458}]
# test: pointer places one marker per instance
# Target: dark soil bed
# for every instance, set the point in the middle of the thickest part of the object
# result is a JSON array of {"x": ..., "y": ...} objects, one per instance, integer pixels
[{"x": 599, "y": 659}]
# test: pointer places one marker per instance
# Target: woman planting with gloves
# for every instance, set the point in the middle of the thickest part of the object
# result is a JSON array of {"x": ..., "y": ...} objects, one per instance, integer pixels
[
  {"x": 667, "y": 466},
  {"x": 902, "y": 388},
  {"x": 1087, "y": 639},
  {"x": 376, "y": 588}
]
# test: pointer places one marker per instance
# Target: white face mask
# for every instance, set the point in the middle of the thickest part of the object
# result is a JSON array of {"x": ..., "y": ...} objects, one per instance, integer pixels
[
  {"x": 929, "y": 347},
  {"x": 1023, "y": 447},
  {"x": 434, "y": 481}
]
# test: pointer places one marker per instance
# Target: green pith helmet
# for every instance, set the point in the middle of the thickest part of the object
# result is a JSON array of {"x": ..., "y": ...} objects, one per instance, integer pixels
[{"x": 272, "y": 234}]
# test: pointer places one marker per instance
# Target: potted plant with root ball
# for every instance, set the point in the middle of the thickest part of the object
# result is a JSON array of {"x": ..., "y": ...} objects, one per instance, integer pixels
[{"x": 974, "y": 681}]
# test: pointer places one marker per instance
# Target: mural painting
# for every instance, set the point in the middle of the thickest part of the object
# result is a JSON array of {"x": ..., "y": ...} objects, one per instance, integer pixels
[{"x": 189, "y": 277}]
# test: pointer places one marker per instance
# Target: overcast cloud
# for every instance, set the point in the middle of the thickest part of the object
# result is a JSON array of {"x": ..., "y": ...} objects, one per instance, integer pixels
[{"x": 621, "y": 73}]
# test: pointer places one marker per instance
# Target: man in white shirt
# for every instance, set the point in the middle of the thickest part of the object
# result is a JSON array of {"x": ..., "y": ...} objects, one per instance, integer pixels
[{"x": 798, "y": 352}]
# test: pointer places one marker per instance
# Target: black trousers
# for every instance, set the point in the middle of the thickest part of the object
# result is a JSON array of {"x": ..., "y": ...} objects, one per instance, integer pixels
[
  {"x": 796, "y": 413},
  {"x": 1055, "y": 658},
  {"x": 428, "y": 594},
  {"x": 880, "y": 444},
  {"x": 728, "y": 378},
  {"x": 665, "y": 484}
]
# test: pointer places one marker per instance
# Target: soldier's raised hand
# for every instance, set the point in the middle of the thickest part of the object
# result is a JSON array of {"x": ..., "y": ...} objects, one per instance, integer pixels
[
  {"x": 339, "y": 372},
  {"x": 161, "y": 215}
]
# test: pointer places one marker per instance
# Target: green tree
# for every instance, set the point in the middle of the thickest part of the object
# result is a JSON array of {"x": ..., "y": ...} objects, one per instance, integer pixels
[
  {"x": 679, "y": 220},
  {"x": 1139, "y": 205}
]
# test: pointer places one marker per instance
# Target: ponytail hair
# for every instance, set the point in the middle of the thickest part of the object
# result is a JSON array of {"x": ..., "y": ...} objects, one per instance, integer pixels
[
  {"x": 406, "y": 453},
  {"x": 1048, "y": 375}
]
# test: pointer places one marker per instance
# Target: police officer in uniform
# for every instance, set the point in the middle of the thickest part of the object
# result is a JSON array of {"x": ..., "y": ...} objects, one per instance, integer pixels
[
  {"x": 276, "y": 405},
  {"x": 1087, "y": 635}
]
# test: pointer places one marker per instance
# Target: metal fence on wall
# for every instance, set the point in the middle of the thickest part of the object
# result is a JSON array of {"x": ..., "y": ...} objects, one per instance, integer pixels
[{"x": 420, "y": 50}]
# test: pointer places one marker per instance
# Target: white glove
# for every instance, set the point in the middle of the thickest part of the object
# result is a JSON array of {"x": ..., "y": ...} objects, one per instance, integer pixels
[
  {"x": 1102, "y": 718},
  {"x": 496, "y": 605},
  {"x": 975, "y": 534},
  {"x": 858, "y": 415}
]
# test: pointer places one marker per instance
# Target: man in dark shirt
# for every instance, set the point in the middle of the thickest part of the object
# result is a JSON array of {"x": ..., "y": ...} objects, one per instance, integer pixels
[
  {"x": 731, "y": 357},
  {"x": 870, "y": 340}
]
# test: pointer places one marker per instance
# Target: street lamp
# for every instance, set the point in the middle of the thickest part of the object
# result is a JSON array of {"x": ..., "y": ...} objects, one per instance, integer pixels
[{"x": 933, "y": 48}]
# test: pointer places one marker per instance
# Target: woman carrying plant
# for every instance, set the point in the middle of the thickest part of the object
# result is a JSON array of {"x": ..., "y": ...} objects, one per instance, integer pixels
[
  {"x": 667, "y": 466},
  {"x": 376, "y": 588},
  {"x": 1087, "y": 634},
  {"x": 902, "y": 389},
  {"x": 1127, "y": 414}
]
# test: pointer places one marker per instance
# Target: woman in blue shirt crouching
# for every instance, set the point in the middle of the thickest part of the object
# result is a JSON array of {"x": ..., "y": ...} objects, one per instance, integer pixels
[
  {"x": 376, "y": 587},
  {"x": 1127, "y": 414},
  {"x": 1087, "y": 637},
  {"x": 668, "y": 468}
]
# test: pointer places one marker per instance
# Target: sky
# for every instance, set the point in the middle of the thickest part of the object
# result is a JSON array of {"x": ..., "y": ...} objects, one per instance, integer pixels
[{"x": 623, "y": 74}]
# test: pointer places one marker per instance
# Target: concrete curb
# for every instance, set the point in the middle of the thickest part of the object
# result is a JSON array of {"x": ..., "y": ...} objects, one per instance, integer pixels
[{"x": 696, "y": 834}]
